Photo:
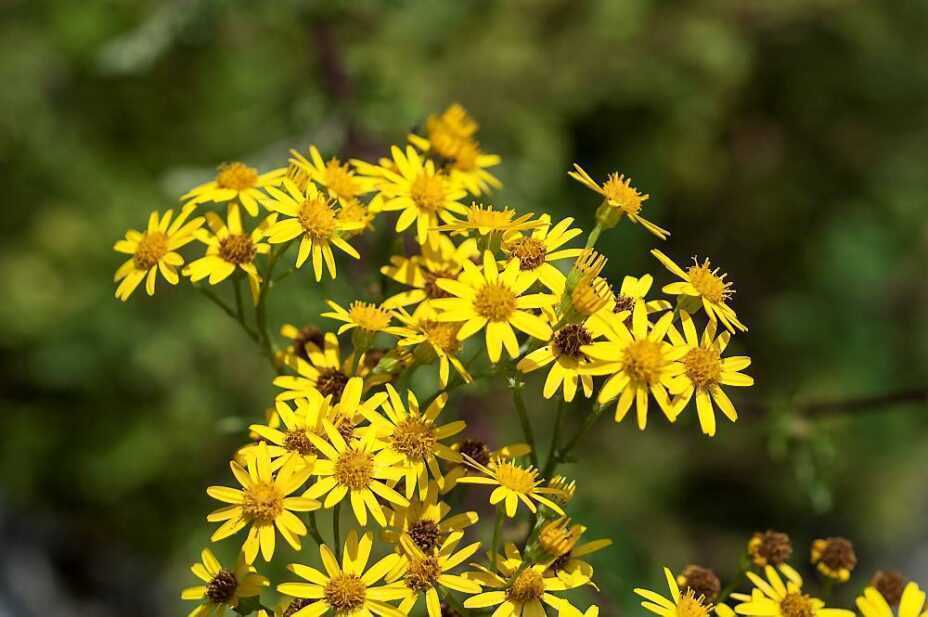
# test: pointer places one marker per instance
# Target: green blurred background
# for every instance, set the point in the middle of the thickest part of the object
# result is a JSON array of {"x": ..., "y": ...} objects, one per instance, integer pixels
[{"x": 785, "y": 140}]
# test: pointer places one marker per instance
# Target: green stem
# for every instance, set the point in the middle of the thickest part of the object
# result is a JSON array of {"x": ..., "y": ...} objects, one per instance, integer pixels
[
  {"x": 594, "y": 236},
  {"x": 314, "y": 529},
  {"x": 561, "y": 453},
  {"x": 552, "y": 451},
  {"x": 519, "y": 403},
  {"x": 263, "y": 293},
  {"x": 336, "y": 521},
  {"x": 228, "y": 310},
  {"x": 497, "y": 528}
]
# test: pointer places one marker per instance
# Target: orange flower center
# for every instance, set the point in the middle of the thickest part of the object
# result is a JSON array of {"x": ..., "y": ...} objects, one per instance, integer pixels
[
  {"x": 354, "y": 469},
  {"x": 151, "y": 248},
  {"x": 703, "y": 366},
  {"x": 708, "y": 282},
  {"x": 530, "y": 252},
  {"x": 236, "y": 176},
  {"x": 621, "y": 194},
  {"x": 263, "y": 502},
  {"x": 317, "y": 218},
  {"x": 495, "y": 301},
  {"x": 339, "y": 180},
  {"x": 414, "y": 438},
  {"x": 428, "y": 192},
  {"x": 527, "y": 587},
  {"x": 237, "y": 249},
  {"x": 797, "y": 605},
  {"x": 643, "y": 361},
  {"x": 516, "y": 478},
  {"x": 345, "y": 593}
]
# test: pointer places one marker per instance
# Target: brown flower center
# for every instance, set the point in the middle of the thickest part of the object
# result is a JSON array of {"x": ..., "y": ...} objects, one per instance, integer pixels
[
  {"x": 221, "y": 588},
  {"x": 331, "y": 382},
  {"x": 495, "y": 302},
  {"x": 354, "y": 469},
  {"x": 297, "y": 441},
  {"x": 890, "y": 584},
  {"x": 476, "y": 450},
  {"x": 295, "y": 605},
  {"x": 345, "y": 593},
  {"x": 151, "y": 248},
  {"x": 414, "y": 438},
  {"x": 425, "y": 534},
  {"x": 237, "y": 249},
  {"x": 528, "y": 586},
  {"x": 797, "y": 605},
  {"x": 422, "y": 574},
  {"x": 839, "y": 554},
  {"x": 309, "y": 334},
  {"x": 236, "y": 176},
  {"x": 530, "y": 252},
  {"x": 623, "y": 303},
  {"x": 569, "y": 339},
  {"x": 770, "y": 547},
  {"x": 702, "y": 581},
  {"x": 442, "y": 334},
  {"x": 431, "y": 288}
]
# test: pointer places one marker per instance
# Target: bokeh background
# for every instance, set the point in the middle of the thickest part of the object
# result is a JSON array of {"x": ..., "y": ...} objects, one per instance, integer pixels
[{"x": 786, "y": 140}]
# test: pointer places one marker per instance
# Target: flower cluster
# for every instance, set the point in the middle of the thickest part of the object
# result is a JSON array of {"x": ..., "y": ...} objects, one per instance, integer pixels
[{"x": 472, "y": 291}]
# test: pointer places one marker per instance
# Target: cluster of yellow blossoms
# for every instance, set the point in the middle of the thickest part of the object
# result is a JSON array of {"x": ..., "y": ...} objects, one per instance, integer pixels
[{"x": 349, "y": 427}]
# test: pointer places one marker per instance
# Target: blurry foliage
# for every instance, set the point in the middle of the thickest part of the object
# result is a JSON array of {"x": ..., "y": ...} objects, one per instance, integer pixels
[{"x": 786, "y": 140}]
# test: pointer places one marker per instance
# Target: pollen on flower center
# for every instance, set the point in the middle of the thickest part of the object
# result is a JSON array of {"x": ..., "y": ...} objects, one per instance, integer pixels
[
  {"x": 354, "y": 469},
  {"x": 620, "y": 193},
  {"x": 516, "y": 478},
  {"x": 151, "y": 248},
  {"x": 317, "y": 218},
  {"x": 222, "y": 587},
  {"x": 414, "y": 437},
  {"x": 530, "y": 252},
  {"x": 691, "y": 606},
  {"x": 703, "y": 366},
  {"x": 797, "y": 605},
  {"x": 422, "y": 574},
  {"x": 425, "y": 534},
  {"x": 442, "y": 334},
  {"x": 339, "y": 180},
  {"x": 237, "y": 249},
  {"x": 569, "y": 339},
  {"x": 297, "y": 441},
  {"x": 368, "y": 316},
  {"x": 331, "y": 382},
  {"x": 528, "y": 586},
  {"x": 262, "y": 502},
  {"x": 623, "y": 303},
  {"x": 495, "y": 301},
  {"x": 643, "y": 361},
  {"x": 236, "y": 176},
  {"x": 708, "y": 282},
  {"x": 428, "y": 192},
  {"x": 345, "y": 593}
]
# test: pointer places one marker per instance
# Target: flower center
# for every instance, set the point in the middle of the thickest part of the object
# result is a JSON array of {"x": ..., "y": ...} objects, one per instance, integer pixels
[
  {"x": 569, "y": 339},
  {"x": 262, "y": 502},
  {"x": 838, "y": 554},
  {"x": 708, "y": 282},
  {"x": 236, "y": 176},
  {"x": 354, "y": 469},
  {"x": 623, "y": 303},
  {"x": 442, "y": 334},
  {"x": 368, "y": 316},
  {"x": 796, "y": 605},
  {"x": 339, "y": 180},
  {"x": 237, "y": 249},
  {"x": 428, "y": 192},
  {"x": 890, "y": 584},
  {"x": 295, "y": 605},
  {"x": 309, "y": 334},
  {"x": 222, "y": 587},
  {"x": 425, "y": 534},
  {"x": 702, "y": 581},
  {"x": 422, "y": 574},
  {"x": 528, "y": 586},
  {"x": 643, "y": 361},
  {"x": 516, "y": 478},
  {"x": 495, "y": 301},
  {"x": 345, "y": 593},
  {"x": 432, "y": 290},
  {"x": 317, "y": 218},
  {"x": 344, "y": 426},
  {"x": 476, "y": 450},
  {"x": 620, "y": 193},
  {"x": 691, "y": 606},
  {"x": 703, "y": 366},
  {"x": 414, "y": 438},
  {"x": 151, "y": 248},
  {"x": 297, "y": 441},
  {"x": 530, "y": 252},
  {"x": 770, "y": 547},
  {"x": 331, "y": 382}
]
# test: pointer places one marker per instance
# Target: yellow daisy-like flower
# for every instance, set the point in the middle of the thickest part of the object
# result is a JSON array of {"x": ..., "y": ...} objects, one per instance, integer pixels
[
  {"x": 705, "y": 372},
  {"x": 536, "y": 252},
  {"x": 263, "y": 502},
  {"x": 236, "y": 181},
  {"x": 230, "y": 247},
  {"x": 223, "y": 587},
  {"x": 300, "y": 339},
  {"x": 873, "y": 604},
  {"x": 433, "y": 340},
  {"x": 349, "y": 587},
  {"x": 623, "y": 302},
  {"x": 421, "y": 272},
  {"x": 486, "y": 220},
  {"x": 513, "y": 483},
  {"x": 425, "y": 572},
  {"x": 707, "y": 288},
  {"x": 312, "y": 217},
  {"x": 560, "y": 540},
  {"x": 154, "y": 250},
  {"x": 677, "y": 605},
  {"x": 358, "y": 471},
  {"x": 481, "y": 452},
  {"x": 323, "y": 371},
  {"x": 426, "y": 521},
  {"x": 364, "y": 316},
  {"x": 640, "y": 363},
  {"x": 493, "y": 300},
  {"x": 519, "y": 590},
  {"x": 568, "y": 363},
  {"x": 291, "y": 441},
  {"x": 338, "y": 178},
  {"x": 775, "y": 597},
  {"x": 619, "y": 198},
  {"x": 415, "y": 436},
  {"x": 423, "y": 194}
]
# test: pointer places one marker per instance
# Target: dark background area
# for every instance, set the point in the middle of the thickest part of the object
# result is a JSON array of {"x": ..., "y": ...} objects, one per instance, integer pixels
[{"x": 785, "y": 140}]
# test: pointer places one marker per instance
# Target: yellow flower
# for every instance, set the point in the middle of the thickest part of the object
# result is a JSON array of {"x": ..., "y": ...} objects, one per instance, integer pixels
[
  {"x": 486, "y": 220},
  {"x": 263, "y": 503},
  {"x": 705, "y": 372},
  {"x": 425, "y": 572},
  {"x": 706, "y": 286},
  {"x": 426, "y": 521},
  {"x": 230, "y": 247},
  {"x": 873, "y": 604},
  {"x": 495, "y": 300},
  {"x": 368, "y": 318},
  {"x": 677, "y": 605},
  {"x": 480, "y": 452},
  {"x": 513, "y": 483},
  {"x": 519, "y": 590},
  {"x": 561, "y": 542},
  {"x": 421, "y": 272},
  {"x": 154, "y": 250},
  {"x": 834, "y": 558},
  {"x": 223, "y": 587},
  {"x": 291, "y": 441},
  {"x": 415, "y": 436},
  {"x": 338, "y": 179},
  {"x": 354, "y": 469},
  {"x": 349, "y": 587},
  {"x": 775, "y": 597},
  {"x": 323, "y": 371},
  {"x": 236, "y": 181},
  {"x": 313, "y": 218},
  {"x": 424, "y": 194},
  {"x": 536, "y": 252},
  {"x": 619, "y": 198},
  {"x": 433, "y": 340},
  {"x": 301, "y": 338},
  {"x": 563, "y": 353},
  {"x": 640, "y": 363},
  {"x": 624, "y": 301}
]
